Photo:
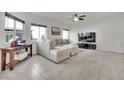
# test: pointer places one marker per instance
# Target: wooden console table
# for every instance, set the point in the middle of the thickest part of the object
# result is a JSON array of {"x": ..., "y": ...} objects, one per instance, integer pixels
[{"x": 11, "y": 55}]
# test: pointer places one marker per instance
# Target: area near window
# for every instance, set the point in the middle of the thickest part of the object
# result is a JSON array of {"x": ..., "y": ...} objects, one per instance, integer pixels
[
  {"x": 9, "y": 38},
  {"x": 13, "y": 28},
  {"x": 65, "y": 34},
  {"x": 38, "y": 32}
]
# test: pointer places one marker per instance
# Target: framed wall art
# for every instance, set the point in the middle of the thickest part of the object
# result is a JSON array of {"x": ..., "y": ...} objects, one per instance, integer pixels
[{"x": 55, "y": 30}]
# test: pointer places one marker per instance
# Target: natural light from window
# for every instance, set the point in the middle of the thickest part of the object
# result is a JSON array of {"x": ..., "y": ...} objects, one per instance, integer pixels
[
  {"x": 13, "y": 29},
  {"x": 19, "y": 25},
  {"x": 35, "y": 32},
  {"x": 65, "y": 34},
  {"x": 42, "y": 32},
  {"x": 9, "y": 23},
  {"x": 38, "y": 32}
]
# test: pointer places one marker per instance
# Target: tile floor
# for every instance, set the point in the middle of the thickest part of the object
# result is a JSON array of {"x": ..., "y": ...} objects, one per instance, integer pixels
[{"x": 87, "y": 65}]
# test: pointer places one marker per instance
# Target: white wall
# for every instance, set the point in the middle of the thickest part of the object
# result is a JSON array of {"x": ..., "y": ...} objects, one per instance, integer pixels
[{"x": 109, "y": 32}]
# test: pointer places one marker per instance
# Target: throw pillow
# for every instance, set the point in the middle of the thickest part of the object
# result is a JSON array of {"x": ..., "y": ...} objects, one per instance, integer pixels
[
  {"x": 68, "y": 41},
  {"x": 54, "y": 42},
  {"x": 59, "y": 42},
  {"x": 65, "y": 41},
  {"x": 52, "y": 46}
]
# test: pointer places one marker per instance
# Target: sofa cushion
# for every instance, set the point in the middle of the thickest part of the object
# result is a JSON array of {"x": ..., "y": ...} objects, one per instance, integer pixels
[
  {"x": 59, "y": 51},
  {"x": 65, "y": 41},
  {"x": 59, "y": 42},
  {"x": 54, "y": 42},
  {"x": 52, "y": 45}
]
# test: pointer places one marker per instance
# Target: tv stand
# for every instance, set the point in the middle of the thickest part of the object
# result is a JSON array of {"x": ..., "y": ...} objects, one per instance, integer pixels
[{"x": 87, "y": 45}]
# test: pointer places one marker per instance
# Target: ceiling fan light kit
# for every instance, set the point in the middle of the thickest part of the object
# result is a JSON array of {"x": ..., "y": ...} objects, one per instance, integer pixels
[{"x": 75, "y": 19}]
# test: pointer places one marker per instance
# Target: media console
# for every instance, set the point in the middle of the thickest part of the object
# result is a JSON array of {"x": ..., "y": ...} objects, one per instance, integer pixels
[{"x": 87, "y": 45}]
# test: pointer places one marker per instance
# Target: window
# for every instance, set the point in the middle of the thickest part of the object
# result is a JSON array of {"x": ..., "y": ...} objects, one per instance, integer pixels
[
  {"x": 19, "y": 36},
  {"x": 19, "y": 30},
  {"x": 19, "y": 26},
  {"x": 35, "y": 32},
  {"x": 9, "y": 38},
  {"x": 38, "y": 32},
  {"x": 13, "y": 28},
  {"x": 65, "y": 34},
  {"x": 42, "y": 32},
  {"x": 9, "y": 24}
]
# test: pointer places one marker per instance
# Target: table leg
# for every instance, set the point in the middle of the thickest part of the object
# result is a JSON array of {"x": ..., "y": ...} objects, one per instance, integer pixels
[
  {"x": 11, "y": 59},
  {"x": 31, "y": 50},
  {"x": 26, "y": 49},
  {"x": 3, "y": 59}
]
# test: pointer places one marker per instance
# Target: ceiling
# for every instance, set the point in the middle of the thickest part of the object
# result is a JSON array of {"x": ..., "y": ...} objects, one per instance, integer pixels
[{"x": 66, "y": 17}]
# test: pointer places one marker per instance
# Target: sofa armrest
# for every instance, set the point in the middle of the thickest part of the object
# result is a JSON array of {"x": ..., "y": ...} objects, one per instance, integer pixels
[{"x": 43, "y": 47}]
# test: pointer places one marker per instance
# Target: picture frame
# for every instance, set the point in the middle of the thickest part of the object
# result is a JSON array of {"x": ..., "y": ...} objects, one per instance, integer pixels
[{"x": 55, "y": 30}]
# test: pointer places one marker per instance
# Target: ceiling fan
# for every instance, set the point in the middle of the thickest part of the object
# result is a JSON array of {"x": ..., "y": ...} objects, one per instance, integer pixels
[{"x": 77, "y": 17}]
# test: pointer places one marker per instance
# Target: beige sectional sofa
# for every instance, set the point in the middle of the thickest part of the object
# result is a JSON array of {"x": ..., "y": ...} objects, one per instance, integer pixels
[{"x": 57, "y": 50}]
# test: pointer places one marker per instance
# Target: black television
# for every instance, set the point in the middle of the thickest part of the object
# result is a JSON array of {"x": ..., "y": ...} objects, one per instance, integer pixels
[{"x": 87, "y": 37}]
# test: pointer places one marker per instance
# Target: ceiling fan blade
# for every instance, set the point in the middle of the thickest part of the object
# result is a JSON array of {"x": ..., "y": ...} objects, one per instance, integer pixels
[{"x": 83, "y": 16}]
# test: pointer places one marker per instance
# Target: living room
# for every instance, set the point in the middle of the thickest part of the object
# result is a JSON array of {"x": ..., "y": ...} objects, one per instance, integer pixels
[
  {"x": 55, "y": 45},
  {"x": 73, "y": 46}
]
